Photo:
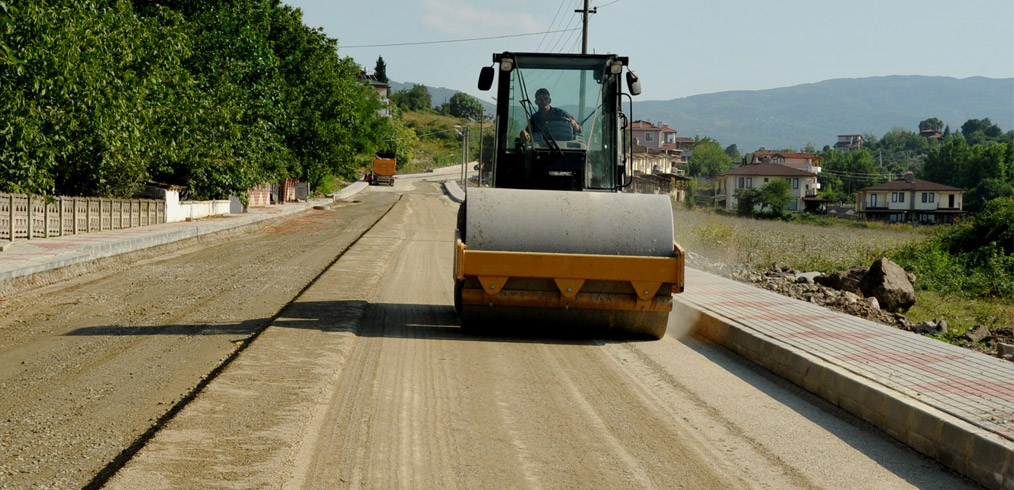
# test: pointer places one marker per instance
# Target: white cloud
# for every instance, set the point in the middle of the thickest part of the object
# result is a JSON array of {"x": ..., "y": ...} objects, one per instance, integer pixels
[{"x": 459, "y": 18}]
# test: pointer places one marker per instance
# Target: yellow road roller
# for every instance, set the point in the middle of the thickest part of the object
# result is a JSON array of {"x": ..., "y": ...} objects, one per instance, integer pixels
[{"x": 554, "y": 240}]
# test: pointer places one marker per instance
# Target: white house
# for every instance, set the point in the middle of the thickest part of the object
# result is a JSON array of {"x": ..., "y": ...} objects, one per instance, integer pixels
[{"x": 803, "y": 185}]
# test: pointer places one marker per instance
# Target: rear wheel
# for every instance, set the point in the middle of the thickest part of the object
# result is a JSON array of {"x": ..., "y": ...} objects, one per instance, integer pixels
[{"x": 459, "y": 284}]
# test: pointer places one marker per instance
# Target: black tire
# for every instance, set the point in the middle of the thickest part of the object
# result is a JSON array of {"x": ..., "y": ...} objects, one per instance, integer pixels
[
  {"x": 459, "y": 284},
  {"x": 461, "y": 222},
  {"x": 458, "y": 287}
]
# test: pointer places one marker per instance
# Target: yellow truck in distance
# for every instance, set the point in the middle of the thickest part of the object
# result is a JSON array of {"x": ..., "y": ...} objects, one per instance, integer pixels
[{"x": 384, "y": 168}]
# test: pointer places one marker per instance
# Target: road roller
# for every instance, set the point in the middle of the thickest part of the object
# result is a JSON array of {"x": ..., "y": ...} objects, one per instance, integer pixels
[{"x": 554, "y": 242}]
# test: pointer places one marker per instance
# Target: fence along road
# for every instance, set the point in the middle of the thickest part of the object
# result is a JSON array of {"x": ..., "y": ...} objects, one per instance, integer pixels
[{"x": 23, "y": 216}]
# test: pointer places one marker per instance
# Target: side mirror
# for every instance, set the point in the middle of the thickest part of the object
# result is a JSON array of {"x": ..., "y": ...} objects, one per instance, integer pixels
[
  {"x": 486, "y": 78},
  {"x": 633, "y": 83}
]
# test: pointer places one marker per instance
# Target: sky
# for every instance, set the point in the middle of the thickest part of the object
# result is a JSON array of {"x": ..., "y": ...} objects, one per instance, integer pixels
[{"x": 679, "y": 48}]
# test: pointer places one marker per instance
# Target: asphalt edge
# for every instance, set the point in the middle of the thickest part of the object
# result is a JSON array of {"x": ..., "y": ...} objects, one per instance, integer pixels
[{"x": 972, "y": 451}]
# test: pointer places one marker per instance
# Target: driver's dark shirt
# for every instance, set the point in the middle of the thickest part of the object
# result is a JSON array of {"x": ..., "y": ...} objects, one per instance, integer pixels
[{"x": 554, "y": 114}]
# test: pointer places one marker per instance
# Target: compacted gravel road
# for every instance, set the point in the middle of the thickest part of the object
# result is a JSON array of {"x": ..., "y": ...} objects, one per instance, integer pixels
[{"x": 263, "y": 362}]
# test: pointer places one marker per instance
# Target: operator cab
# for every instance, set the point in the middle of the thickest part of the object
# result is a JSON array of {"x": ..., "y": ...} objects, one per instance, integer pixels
[{"x": 579, "y": 146}]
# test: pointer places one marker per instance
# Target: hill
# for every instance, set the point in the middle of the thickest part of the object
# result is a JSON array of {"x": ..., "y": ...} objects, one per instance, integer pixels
[
  {"x": 816, "y": 113},
  {"x": 438, "y": 95}
]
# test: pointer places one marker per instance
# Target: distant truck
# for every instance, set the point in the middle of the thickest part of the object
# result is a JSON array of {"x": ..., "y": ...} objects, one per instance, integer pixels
[{"x": 384, "y": 168}]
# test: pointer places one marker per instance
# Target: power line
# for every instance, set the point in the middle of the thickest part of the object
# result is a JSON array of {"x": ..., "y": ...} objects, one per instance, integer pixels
[
  {"x": 606, "y": 5},
  {"x": 453, "y": 40},
  {"x": 551, "y": 24},
  {"x": 557, "y": 43}
]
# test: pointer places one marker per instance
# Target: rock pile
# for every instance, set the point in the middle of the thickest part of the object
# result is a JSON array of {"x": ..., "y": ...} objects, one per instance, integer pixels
[{"x": 878, "y": 293}]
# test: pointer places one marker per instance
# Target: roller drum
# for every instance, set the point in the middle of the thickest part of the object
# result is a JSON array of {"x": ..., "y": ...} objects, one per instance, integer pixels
[{"x": 603, "y": 223}]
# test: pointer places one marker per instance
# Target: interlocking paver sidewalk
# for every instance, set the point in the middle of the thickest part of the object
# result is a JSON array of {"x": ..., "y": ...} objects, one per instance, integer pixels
[{"x": 807, "y": 343}]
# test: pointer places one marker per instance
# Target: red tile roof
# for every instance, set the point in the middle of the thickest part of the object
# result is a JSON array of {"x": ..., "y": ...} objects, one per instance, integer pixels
[
  {"x": 768, "y": 154},
  {"x": 768, "y": 170},
  {"x": 643, "y": 125},
  {"x": 914, "y": 185}
]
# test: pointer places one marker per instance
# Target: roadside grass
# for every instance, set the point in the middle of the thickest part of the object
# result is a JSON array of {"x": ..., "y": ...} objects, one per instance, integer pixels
[
  {"x": 827, "y": 245},
  {"x": 439, "y": 144},
  {"x": 961, "y": 313}
]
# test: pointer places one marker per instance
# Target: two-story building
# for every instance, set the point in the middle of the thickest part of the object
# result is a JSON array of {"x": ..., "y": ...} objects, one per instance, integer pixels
[
  {"x": 803, "y": 185},
  {"x": 849, "y": 142},
  {"x": 657, "y": 149},
  {"x": 912, "y": 200},
  {"x": 383, "y": 91},
  {"x": 799, "y": 161}
]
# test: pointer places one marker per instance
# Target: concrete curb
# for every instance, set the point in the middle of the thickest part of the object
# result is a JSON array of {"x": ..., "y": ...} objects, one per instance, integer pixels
[
  {"x": 972, "y": 451},
  {"x": 453, "y": 191},
  {"x": 351, "y": 190}
]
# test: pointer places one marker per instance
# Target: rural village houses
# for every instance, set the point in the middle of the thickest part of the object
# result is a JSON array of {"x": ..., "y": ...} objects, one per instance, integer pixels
[
  {"x": 659, "y": 159},
  {"x": 803, "y": 184},
  {"x": 909, "y": 199},
  {"x": 657, "y": 149}
]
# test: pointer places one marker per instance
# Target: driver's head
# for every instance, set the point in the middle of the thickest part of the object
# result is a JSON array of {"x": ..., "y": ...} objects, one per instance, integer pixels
[{"x": 542, "y": 98}]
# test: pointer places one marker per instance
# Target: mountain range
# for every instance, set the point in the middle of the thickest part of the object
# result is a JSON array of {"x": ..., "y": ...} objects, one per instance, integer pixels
[
  {"x": 791, "y": 117},
  {"x": 816, "y": 113}
]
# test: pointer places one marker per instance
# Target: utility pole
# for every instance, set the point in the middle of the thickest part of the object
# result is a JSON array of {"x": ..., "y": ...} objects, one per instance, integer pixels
[
  {"x": 482, "y": 116},
  {"x": 584, "y": 29}
]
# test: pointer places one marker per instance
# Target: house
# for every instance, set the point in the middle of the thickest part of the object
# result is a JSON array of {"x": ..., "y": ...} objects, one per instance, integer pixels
[
  {"x": 803, "y": 184},
  {"x": 799, "y": 161},
  {"x": 912, "y": 200},
  {"x": 931, "y": 134},
  {"x": 657, "y": 149},
  {"x": 849, "y": 142},
  {"x": 383, "y": 91}
]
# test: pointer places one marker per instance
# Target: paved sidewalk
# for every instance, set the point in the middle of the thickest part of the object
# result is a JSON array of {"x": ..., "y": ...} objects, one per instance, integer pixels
[
  {"x": 26, "y": 257},
  {"x": 950, "y": 403}
]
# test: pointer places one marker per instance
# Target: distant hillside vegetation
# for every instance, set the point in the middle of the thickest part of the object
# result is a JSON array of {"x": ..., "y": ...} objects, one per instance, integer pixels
[
  {"x": 438, "y": 95},
  {"x": 816, "y": 113}
]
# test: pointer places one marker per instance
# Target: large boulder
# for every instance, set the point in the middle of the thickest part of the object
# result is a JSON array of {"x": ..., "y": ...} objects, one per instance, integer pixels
[
  {"x": 889, "y": 283},
  {"x": 847, "y": 280}
]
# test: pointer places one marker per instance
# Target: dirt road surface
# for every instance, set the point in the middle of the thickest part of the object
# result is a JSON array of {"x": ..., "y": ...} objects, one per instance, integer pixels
[{"x": 364, "y": 381}]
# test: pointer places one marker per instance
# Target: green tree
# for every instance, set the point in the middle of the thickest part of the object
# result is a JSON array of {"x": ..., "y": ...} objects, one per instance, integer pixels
[
  {"x": 216, "y": 95},
  {"x": 416, "y": 99},
  {"x": 6, "y": 29},
  {"x": 987, "y": 190},
  {"x": 708, "y": 158},
  {"x": 746, "y": 200},
  {"x": 380, "y": 70},
  {"x": 958, "y": 164},
  {"x": 931, "y": 123},
  {"x": 733, "y": 151},
  {"x": 464, "y": 105},
  {"x": 979, "y": 131},
  {"x": 690, "y": 199},
  {"x": 773, "y": 198}
]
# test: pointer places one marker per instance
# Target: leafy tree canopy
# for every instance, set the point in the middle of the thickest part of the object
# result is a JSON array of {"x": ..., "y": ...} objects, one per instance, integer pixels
[
  {"x": 416, "y": 99},
  {"x": 708, "y": 158},
  {"x": 464, "y": 105},
  {"x": 931, "y": 123},
  {"x": 218, "y": 96}
]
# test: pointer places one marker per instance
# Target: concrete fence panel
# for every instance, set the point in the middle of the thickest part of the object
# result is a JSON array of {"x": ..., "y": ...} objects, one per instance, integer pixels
[{"x": 28, "y": 217}]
